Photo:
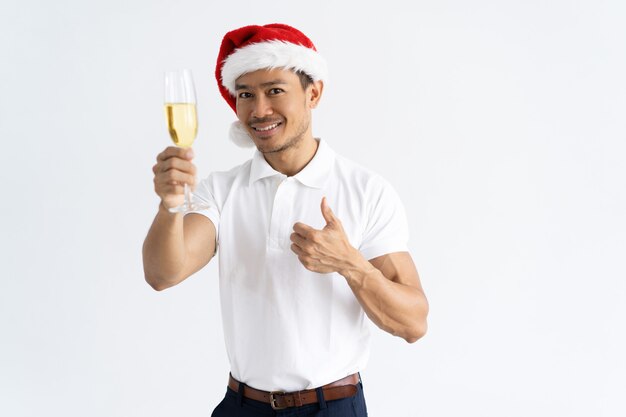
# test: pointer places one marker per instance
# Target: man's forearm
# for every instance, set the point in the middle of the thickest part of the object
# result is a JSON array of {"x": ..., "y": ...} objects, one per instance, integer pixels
[
  {"x": 164, "y": 250},
  {"x": 396, "y": 308}
]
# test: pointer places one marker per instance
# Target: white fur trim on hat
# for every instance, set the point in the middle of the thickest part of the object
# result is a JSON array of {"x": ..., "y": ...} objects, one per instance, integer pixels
[
  {"x": 239, "y": 135},
  {"x": 269, "y": 55}
]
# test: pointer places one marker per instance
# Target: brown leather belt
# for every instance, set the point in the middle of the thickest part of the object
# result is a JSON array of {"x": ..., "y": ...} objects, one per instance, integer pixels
[{"x": 343, "y": 388}]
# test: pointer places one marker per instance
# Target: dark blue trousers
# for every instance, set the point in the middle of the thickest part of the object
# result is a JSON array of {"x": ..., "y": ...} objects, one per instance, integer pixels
[{"x": 235, "y": 405}]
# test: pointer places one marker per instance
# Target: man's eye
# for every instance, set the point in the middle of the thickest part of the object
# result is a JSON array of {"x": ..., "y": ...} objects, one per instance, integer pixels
[
  {"x": 276, "y": 91},
  {"x": 245, "y": 95}
]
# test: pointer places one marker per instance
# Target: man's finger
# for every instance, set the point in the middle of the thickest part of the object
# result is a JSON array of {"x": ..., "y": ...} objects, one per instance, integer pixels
[
  {"x": 169, "y": 152},
  {"x": 178, "y": 164},
  {"x": 298, "y": 240},
  {"x": 297, "y": 250},
  {"x": 308, "y": 262},
  {"x": 175, "y": 175},
  {"x": 175, "y": 151},
  {"x": 303, "y": 230}
]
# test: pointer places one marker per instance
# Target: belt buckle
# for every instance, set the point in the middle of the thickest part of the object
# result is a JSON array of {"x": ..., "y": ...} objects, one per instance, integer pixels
[{"x": 274, "y": 401}]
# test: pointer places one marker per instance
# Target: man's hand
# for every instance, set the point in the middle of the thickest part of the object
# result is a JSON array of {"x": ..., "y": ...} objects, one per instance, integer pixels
[
  {"x": 387, "y": 287},
  {"x": 327, "y": 250},
  {"x": 172, "y": 170}
]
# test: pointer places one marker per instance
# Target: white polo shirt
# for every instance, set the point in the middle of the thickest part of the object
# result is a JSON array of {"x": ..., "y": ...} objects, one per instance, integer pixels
[{"x": 285, "y": 327}]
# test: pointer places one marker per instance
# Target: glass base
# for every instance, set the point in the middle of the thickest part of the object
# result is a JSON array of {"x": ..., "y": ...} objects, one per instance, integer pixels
[{"x": 186, "y": 207}]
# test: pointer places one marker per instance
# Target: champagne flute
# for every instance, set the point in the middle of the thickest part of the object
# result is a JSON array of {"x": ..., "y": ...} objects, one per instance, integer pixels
[{"x": 182, "y": 123}]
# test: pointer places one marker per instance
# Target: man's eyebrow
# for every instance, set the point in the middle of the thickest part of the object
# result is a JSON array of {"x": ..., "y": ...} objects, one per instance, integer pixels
[{"x": 265, "y": 84}]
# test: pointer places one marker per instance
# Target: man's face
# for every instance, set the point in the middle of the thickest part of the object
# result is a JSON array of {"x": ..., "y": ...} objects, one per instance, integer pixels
[{"x": 275, "y": 109}]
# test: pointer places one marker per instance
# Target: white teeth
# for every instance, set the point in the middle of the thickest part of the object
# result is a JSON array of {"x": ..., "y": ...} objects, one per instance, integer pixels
[{"x": 264, "y": 129}]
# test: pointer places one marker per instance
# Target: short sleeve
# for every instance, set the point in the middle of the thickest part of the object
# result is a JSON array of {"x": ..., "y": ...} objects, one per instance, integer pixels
[
  {"x": 205, "y": 192},
  {"x": 386, "y": 228}
]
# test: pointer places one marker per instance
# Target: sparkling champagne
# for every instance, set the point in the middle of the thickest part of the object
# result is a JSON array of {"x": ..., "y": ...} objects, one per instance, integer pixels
[{"x": 182, "y": 123}]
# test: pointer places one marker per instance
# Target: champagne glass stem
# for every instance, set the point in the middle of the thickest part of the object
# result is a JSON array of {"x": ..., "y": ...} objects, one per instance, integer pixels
[{"x": 187, "y": 196}]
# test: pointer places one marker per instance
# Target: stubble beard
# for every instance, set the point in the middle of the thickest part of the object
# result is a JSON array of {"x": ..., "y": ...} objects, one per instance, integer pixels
[{"x": 292, "y": 142}]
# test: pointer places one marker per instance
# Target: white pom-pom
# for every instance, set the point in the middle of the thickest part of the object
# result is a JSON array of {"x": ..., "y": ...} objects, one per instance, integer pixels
[{"x": 239, "y": 135}]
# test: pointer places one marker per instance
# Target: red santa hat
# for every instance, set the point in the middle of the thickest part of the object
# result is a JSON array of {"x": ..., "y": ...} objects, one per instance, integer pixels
[{"x": 252, "y": 48}]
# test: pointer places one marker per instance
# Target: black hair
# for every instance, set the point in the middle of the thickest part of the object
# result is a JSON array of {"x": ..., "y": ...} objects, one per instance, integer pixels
[{"x": 305, "y": 79}]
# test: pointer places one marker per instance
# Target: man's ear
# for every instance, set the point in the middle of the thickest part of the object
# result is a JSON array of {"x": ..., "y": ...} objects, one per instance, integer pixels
[{"x": 315, "y": 93}]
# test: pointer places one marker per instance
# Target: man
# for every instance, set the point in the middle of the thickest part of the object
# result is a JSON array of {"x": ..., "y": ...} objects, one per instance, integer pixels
[{"x": 296, "y": 276}]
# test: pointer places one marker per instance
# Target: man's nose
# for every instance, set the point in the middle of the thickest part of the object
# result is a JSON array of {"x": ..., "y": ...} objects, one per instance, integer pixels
[{"x": 262, "y": 107}]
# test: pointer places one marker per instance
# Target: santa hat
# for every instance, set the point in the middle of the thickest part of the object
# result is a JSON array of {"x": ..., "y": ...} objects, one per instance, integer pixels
[{"x": 252, "y": 48}]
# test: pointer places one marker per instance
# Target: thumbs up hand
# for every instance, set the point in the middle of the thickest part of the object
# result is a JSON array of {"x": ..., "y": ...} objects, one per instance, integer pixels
[{"x": 327, "y": 250}]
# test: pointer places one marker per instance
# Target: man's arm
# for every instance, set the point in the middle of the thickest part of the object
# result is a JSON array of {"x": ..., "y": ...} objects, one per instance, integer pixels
[
  {"x": 387, "y": 287},
  {"x": 389, "y": 290},
  {"x": 176, "y": 246}
]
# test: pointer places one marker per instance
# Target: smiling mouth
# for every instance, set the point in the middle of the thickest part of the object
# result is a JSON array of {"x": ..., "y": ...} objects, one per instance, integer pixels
[{"x": 267, "y": 128}]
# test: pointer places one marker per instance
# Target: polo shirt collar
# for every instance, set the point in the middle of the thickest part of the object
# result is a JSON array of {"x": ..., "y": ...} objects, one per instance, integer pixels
[{"x": 314, "y": 174}]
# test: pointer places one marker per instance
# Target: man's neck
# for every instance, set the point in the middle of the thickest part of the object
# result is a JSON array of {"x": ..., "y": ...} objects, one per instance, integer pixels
[{"x": 294, "y": 159}]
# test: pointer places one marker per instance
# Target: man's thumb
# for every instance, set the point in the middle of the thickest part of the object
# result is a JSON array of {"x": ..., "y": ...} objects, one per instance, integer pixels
[{"x": 328, "y": 214}]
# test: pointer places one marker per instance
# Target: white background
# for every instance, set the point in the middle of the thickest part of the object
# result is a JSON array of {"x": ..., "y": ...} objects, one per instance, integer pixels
[{"x": 500, "y": 123}]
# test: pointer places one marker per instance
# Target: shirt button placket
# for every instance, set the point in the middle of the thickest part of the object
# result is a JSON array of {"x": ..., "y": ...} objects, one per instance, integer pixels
[{"x": 281, "y": 214}]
